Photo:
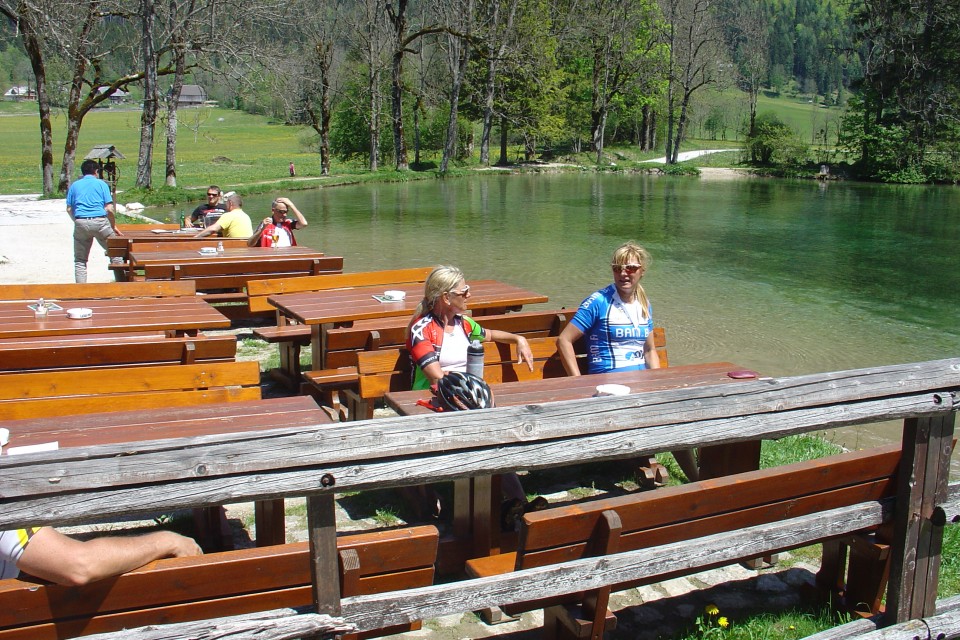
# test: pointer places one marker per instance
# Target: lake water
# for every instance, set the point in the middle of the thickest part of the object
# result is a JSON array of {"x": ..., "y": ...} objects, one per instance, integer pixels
[{"x": 785, "y": 277}]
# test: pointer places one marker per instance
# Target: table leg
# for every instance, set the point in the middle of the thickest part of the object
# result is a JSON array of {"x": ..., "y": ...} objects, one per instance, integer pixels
[
  {"x": 269, "y": 518},
  {"x": 728, "y": 459},
  {"x": 476, "y": 513}
]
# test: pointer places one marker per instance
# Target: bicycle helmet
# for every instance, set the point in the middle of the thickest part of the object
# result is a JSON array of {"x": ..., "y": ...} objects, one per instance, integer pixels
[{"x": 471, "y": 392}]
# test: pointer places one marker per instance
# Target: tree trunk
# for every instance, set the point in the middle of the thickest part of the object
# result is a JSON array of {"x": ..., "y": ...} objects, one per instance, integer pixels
[
  {"x": 490, "y": 87},
  {"x": 462, "y": 49},
  {"x": 373, "y": 80},
  {"x": 325, "y": 67},
  {"x": 172, "y": 103},
  {"x": 37, "y": 64},
  {"x": 681, "y": 128},
  {"x": 399, "y": 20},
  {"x": 504, "y": 128},
  {"x": 148, "y": 117}
]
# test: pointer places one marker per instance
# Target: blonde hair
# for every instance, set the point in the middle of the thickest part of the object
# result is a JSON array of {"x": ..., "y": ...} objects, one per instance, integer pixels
[
  {"x": 440, "y": 281},
  {"x": 632, "y": 253}
]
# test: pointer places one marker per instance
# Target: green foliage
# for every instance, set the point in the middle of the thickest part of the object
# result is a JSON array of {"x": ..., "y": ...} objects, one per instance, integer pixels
[
  {"x": 680, "y": 169},
  {"x": 774, "y": 142},
  {"x": 950, "y": 562}
]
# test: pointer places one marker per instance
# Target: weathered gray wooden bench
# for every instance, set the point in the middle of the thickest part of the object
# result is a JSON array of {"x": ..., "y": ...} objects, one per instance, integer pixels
[{"x": 64, "y": 487}]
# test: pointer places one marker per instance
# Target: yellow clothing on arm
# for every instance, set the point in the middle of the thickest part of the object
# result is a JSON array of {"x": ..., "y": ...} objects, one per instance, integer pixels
[
  {"x": 236, "y": 224},
  {"x": 12, "y": 544}
]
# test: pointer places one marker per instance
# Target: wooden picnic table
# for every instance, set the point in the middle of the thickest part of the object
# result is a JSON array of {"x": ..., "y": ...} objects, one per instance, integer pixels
[
  {"x": 122, "y": 427},
  {"x": 232, "y": 254},
  {"x": 183, "y": 315},
  {"x": 325, "y": 309},
  {"x": 477, "y": 500}
]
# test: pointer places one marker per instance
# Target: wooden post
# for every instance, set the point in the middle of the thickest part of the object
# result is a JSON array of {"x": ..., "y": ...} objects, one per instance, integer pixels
[
  {"x": 918, "y": 535},
  {"x": 322, "y": 526}
]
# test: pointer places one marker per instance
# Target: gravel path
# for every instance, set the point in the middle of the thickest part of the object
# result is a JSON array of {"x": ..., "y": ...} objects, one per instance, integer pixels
[{"x": 36, "y": 243}]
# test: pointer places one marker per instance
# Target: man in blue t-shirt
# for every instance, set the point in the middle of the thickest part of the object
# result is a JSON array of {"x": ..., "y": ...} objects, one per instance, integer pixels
[{"x": 90, "y": 206}]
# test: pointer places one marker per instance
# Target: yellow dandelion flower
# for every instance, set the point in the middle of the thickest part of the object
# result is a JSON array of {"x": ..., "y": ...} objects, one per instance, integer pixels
[
  {"x": 712, "y": 610},
  {"x": 723, "y": 622}
]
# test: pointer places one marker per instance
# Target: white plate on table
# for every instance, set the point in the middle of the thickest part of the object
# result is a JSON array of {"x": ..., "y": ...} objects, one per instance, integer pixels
[
  {"x": 79, "y": 313},
  {"x": 395, "y": 295},
  {"x": 208, "y": 251},
  {"x": 612, "y": 390}
]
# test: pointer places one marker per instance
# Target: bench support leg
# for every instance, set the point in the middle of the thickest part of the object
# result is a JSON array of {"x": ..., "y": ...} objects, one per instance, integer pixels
[
  {"x": 918, "y": 521},
  {"x": 269, "y": 518},
  {"x": 322, "y": 528}
]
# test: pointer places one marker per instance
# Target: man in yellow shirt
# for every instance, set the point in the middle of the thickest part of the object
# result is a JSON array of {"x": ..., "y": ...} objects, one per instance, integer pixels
[{"x": 235, "y": 223}]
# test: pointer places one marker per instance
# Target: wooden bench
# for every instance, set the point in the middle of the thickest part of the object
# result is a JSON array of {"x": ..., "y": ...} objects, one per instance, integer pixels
[
  {"x": 391, "y": 370},
  {"x": 687, "y": 512},
  {"x": 343, "y": 344},
  {"x": 235, "y": 276},
  {"x": 259, "y": 291},
  {"x": 116, "y": 349},
  {"x": 290, "y": 338},
  {"x": 96, "y": 291},
  {"x": 57, "y": 393},
  {"x": 217, "y": 584},
  {"x": 120, "y": 247}
]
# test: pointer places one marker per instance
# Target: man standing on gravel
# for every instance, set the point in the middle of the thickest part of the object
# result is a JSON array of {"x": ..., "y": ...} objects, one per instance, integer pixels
[{"x": 90, "y": 206}]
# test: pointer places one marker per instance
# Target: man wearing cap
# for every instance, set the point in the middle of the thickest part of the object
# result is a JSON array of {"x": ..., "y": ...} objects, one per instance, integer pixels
[{"x": 235, "y": 223}]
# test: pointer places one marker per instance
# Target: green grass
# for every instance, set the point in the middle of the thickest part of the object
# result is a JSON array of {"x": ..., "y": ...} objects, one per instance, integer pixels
[
  {"x": 785, "y": 625},
  {"x": 229, "y": 148}
]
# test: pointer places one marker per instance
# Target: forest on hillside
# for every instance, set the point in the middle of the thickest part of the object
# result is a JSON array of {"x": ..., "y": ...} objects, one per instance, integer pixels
[{"x": 391, "y": 80}]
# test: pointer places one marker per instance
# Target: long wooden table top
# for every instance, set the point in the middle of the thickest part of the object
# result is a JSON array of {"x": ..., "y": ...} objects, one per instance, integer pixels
[
  {"x": 579, "y": 387},
  {"x": 347, "y": 305},
  {"x": 172, "y": 422},
  {"x": 229, "y": 254},
  {"x": 180, "y": 314}
]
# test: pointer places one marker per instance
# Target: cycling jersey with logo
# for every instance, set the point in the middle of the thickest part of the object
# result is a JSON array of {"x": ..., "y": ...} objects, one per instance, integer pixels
[
  {"x": 614, "y": 332},
  {"x": 426, "y": 341}
]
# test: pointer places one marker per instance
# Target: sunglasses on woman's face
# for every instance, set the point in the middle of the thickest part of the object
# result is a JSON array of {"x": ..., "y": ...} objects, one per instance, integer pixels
[
  {"x": 462, "y": 292},
  {"x": 629, "y": 268}
]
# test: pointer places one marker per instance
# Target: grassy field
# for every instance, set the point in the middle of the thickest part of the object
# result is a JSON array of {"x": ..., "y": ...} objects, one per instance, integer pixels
[
  {"x": 217, "y": 146},
  {"x": 234, "y": 149}
]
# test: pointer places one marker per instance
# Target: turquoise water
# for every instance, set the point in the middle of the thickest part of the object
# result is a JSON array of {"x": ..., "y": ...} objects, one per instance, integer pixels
[{"x": 785, "y": 277}]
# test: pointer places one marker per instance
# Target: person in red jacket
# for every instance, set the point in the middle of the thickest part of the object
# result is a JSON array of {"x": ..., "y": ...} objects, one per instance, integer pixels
[{"x": 278, "y": 226}]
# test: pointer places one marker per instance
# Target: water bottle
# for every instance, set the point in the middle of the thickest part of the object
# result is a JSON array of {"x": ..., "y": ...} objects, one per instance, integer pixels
[
  {"x": 475, "y": 358},
  {"x": 183, "y": 221}
]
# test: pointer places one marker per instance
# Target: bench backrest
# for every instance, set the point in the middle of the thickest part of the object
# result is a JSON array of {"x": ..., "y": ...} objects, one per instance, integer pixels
[
  {"x": 390, "y": 369},
  {"x": 391, "y": 333},
  {"x": 215, "y": 585},
  {"x": 104, "y": 350},
  {"x": 698, "y": 509},
  {"x": 57, "y": 393},
  {"x": 226, "y": 275},
  {"x": 259, "y": 290},
  {"x": 96, "y": 291}
]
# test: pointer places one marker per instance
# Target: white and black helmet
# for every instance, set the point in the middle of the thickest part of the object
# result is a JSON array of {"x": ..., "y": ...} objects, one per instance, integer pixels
[{"x": 471, "y": 391}]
